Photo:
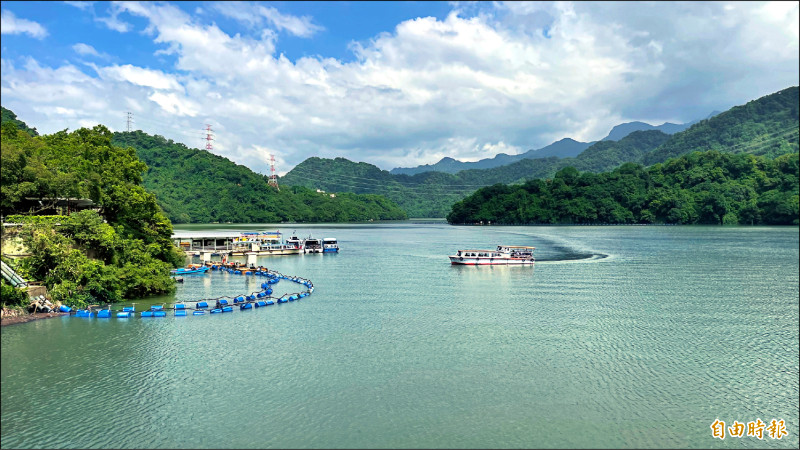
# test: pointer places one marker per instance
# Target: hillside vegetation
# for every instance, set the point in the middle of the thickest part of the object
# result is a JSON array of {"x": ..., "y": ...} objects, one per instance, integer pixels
[
  {"x": 767, "y": 126},
  {"x": 699, "y": 188},
  {"x": 123, "y": 250},
  {"x": 196, "y": 186}
]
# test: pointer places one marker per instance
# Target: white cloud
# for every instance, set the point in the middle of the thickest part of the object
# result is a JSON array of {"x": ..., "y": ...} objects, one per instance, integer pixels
[
  {"x": 80, "y": 4},
  {"x": 87, "y": 50},
  {"x": 142, "y": 77},
  {"x": 113, "y": 22},
  {"x": 10, "y": 24},
  {"x": 511, "y": 78},
  {"x": 256, "y": 14}
]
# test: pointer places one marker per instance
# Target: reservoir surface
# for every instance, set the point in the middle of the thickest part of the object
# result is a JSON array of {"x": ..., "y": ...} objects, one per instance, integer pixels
[{"x": 619, "y": 336}]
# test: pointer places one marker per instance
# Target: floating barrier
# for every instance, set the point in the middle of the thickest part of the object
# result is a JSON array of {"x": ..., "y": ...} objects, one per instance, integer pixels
[{"x": 247, "y": 301}]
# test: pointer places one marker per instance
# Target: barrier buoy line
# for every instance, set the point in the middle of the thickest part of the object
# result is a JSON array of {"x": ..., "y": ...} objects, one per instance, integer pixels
[{"x": 221, "y": 304}]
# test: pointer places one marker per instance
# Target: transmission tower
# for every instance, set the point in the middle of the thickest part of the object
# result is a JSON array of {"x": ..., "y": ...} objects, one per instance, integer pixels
[
  {"x": 209, "y": 138},
  {"x": 273, "y": 179},
  {"x": 130, "y": 120}
]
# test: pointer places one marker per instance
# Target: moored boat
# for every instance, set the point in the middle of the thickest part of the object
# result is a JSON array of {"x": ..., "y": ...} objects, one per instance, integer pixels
[
  {"x": 263, "y": 244},
  {"x": 329, "y": 245},
  {"x": 295, "y": 242},
  {"x": 503, "y": 255},
  {"x": 312, "y": 245},
  {"x": 187, "y": 270}
]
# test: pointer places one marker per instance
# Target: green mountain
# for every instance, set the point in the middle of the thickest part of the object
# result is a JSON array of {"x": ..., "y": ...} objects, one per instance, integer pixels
[
  {"x": 431, "y": 194},
  {"x": 698, "y": 188},
  {"x": 9, "y": 116},
  {"x": 196, "y": 186},
  {"x": 766, "y": 126},
  {"x": 564, "y": 148},
  {"x": 124, "y": 250}
]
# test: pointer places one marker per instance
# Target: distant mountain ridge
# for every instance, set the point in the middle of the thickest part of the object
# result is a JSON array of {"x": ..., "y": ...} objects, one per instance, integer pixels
[
  {"x": 564, "y": 148},
  {"x": 766, "y": 126},
  {"x": 624, "y": 129}
]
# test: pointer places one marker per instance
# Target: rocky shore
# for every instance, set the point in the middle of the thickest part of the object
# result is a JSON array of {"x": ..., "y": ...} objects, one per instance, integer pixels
[{"x": 10, "y": 318}]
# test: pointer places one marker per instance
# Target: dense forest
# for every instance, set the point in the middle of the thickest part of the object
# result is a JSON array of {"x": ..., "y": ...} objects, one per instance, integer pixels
[
  {"x": 121, "y": 250},
  {"x": 196, "y": 186},
  {"x": 699, "y": 188},
  {"x": 766, "y": 126},
  {"x": 9, "y": 116}
]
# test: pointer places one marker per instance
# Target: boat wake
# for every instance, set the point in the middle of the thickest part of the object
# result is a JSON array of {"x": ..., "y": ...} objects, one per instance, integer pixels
[{"x": 558, "y": 252}]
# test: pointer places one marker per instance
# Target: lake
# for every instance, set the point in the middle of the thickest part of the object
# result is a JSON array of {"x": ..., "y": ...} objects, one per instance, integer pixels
[{"x": 620, "y": 336}]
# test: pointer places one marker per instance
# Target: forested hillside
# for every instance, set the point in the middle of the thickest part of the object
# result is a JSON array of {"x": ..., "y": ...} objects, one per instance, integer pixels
[
  {"x": 699, "y": 188},
  {"x": 431, "y": 194},
  {"x": 196, "y": 186},
  {"x": 9, "y": 116},
  {"x": 766, "y": 126},
  {"x": 125, "y": 250}
]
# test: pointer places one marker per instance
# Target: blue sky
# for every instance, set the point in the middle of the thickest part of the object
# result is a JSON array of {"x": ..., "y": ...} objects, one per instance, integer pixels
[{"x": 395, "y": 84}]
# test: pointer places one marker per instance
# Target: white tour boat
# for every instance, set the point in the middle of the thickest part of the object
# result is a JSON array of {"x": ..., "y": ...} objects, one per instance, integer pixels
[
  {"x": 504, "y": 255},
  {"x": 295, "y": 242},
  {"x": 312, "y": 245},
  {"x": 263, "y": 243},
  {"x": 329, "y": 245}
]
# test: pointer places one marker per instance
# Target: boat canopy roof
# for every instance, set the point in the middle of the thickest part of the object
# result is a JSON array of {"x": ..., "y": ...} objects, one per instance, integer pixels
[
  {"x": 515, "y": 246},
  {"x": 328, "y": 239}
]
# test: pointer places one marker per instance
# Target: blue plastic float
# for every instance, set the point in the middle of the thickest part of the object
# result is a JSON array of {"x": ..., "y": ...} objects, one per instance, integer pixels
[{"x": 244, "y": 301}]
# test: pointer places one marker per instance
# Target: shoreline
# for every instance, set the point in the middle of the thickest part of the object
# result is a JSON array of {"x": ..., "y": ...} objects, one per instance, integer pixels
[{"x": 30, "y": 317}]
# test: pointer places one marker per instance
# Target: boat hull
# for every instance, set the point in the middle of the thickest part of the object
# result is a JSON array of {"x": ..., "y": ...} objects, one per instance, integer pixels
[
  {"x": 477, "y": 261},
  {"x": 268, "y": 252}
]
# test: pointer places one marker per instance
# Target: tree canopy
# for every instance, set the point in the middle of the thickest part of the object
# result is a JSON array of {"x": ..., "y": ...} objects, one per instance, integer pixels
[
  {"x": 122, "y": 250},
  {"x": 196, "y": 186},
  {"x": 699, "y": 188}
]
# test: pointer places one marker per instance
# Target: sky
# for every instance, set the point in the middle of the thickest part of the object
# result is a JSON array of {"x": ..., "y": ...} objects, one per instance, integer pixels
[{"x": 394, "y": 84}]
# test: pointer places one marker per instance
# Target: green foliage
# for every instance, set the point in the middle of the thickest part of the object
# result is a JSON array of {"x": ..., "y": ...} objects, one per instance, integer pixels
[
  {"x": 8, "y": 116},
  {"x": 11, "y": 296},
  {"x": 196, "y": 186},
  {"x": 20, "y": 219},
  {"x": 125, "y": 250},
  {"x": 767, "y": 126},
  {"x": 698, "y": 188}
]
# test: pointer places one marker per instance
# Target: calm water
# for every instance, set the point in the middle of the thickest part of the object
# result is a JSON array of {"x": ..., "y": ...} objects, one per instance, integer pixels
[{"x": 619, "y": 337}]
